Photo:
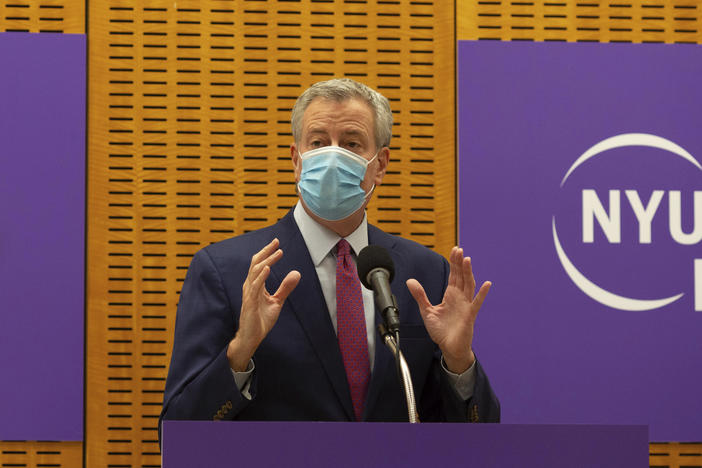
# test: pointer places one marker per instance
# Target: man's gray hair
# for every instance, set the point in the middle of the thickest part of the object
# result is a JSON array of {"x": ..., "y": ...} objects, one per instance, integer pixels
[{"x": 339, "y": 90}]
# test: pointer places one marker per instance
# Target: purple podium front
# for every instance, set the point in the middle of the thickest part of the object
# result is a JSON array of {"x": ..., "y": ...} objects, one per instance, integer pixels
[{"x": 188, "y": 444}]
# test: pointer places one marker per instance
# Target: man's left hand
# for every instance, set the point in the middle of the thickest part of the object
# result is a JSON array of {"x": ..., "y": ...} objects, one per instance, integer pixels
[{"x": 450, "y": 324}]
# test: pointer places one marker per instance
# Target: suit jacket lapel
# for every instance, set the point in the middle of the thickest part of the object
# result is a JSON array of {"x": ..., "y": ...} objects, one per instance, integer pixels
[{"x": 309, "y": 306}]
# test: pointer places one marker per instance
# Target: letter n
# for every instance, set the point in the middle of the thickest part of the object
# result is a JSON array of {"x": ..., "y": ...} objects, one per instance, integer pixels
[{"x": 610, "y": 223}]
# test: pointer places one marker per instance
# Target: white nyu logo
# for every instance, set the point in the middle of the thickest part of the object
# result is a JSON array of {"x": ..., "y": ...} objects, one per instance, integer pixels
[{"x": 593, "y": 210}]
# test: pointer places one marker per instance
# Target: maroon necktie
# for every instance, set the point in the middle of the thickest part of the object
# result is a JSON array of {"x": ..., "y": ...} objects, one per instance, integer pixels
[{"x": 351, "y": 327}]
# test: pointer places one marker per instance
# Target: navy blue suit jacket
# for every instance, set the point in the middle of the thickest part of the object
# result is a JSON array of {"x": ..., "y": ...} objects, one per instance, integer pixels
[{"x": 299, "y": 374}]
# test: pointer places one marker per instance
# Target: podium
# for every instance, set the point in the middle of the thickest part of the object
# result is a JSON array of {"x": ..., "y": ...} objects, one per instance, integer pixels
[{"x": 188, "y": 444}]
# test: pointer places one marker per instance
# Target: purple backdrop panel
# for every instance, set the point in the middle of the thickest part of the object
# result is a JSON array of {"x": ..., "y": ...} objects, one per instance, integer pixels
[
  {"x": 42, "y": 200},
  {"x": 581, "y": 199},
  {"x": 309, "y": 444}
]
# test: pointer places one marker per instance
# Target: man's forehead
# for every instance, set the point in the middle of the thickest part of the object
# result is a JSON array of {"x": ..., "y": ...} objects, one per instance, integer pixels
[
  {"x": 337, "y": 100},
  {"x": 352, "y": 115},
  {"x": 350, "y": 129}
]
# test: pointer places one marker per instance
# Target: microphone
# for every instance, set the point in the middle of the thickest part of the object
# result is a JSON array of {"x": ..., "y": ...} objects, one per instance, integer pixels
[{"x": 376, "y": 270}]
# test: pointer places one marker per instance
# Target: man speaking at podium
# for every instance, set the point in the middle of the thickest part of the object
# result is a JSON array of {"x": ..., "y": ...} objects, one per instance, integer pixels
[{"x": 275, "y": 325}]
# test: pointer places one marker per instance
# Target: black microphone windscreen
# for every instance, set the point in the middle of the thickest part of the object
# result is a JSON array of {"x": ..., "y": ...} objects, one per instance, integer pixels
[{"x": 370, "y": 258}]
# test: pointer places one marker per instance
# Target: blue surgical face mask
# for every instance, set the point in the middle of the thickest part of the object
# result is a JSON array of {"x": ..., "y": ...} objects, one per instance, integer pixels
[{"x": 330, "y": 182}]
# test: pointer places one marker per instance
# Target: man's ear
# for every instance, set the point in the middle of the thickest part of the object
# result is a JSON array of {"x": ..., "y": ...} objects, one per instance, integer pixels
[
  {"x": 296, "y": 161},
  {"x": 383, "y": 161}
]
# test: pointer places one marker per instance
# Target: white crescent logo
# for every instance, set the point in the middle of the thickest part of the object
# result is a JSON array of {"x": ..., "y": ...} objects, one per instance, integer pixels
[
  {"x": 602, "y": 295},
  {"x": 588, "y": 287}
]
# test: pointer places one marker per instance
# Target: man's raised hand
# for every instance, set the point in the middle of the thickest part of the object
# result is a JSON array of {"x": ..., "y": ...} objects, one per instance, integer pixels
[
  {"x": 259, "y": 309},
  {"x": 450, "y": 324}
]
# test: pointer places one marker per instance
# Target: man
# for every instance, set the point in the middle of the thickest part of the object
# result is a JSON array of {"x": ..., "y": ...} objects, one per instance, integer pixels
[{"x": 274, "y": 325}]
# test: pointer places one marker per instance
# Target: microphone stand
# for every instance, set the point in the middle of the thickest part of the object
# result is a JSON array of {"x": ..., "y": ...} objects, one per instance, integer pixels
[{"x": 403, "y": 368}]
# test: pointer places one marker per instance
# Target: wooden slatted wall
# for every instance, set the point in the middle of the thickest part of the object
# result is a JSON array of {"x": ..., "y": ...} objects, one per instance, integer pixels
[
  {"x": 43, "y": 16},
  {"x": 189, "y": 107},
  {"x": 41, "y": 454},
  {"x": 675, "y": 455},
  {"x": 57, "y": 16},
  {"x": 669, "y": 21}
]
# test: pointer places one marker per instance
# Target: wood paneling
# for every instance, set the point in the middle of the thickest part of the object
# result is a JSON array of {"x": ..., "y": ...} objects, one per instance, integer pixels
[
  {"x": 33, "y": 454},
  {"x": 675, "y": 455},
  {"x": 57, "y": 16},
  {"x": 189, "y": 107},
  {"x": 675, "y": 21}
]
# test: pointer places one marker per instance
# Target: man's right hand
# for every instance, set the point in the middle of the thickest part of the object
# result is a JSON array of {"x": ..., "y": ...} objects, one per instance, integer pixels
[{"x": 259, "y": 310}]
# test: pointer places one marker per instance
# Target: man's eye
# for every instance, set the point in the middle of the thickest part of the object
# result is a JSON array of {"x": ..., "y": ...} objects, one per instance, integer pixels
[{"x": 316, "y": 144}]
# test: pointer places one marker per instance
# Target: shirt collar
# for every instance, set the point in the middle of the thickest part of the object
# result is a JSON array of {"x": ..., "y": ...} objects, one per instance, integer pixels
[{"x": 321, "y": 240}]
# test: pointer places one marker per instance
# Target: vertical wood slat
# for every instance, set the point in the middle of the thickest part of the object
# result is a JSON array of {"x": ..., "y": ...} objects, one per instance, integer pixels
[
  {"x": 58, "y": 16},
  {"x": 638, "y": 21},
  {"x": 189, "y": 107}
]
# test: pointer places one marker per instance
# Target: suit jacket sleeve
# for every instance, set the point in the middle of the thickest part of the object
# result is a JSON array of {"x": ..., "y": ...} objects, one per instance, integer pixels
[{"x": 200, "y": 382}]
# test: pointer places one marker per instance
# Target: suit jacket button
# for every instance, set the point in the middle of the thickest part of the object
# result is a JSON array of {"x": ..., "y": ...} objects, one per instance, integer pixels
[{"x": 474, "y": 416}]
